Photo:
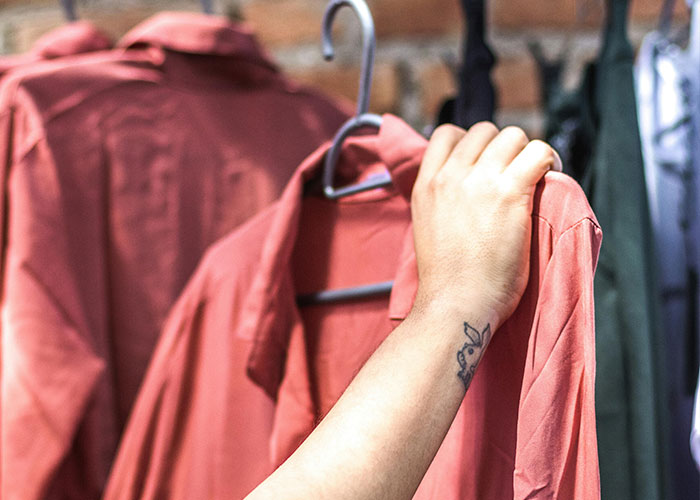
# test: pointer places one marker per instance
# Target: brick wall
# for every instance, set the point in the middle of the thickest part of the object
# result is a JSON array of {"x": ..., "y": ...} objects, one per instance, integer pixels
[{"x": 414, "y": 38}]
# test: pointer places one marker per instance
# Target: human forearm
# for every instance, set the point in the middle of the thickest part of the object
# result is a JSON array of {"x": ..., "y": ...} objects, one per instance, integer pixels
[{"x": 380, "y": 437}]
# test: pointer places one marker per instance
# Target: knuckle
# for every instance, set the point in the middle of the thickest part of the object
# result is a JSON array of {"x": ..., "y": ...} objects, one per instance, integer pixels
[
  {"x": 418, "y": 188},
  {"x": 432, "y": 185},
  {"x": 440, "y": 181},
  {"x": 508, "y": 186},
  {"x": 447, "y": 131},
  {"x": 544, "y": 153},
  {"x": 541, "y": 147},
  {"x": 416, "y": 197},
  {"x": 516, "y": 134},
  {"x": 484, "y": 126}
]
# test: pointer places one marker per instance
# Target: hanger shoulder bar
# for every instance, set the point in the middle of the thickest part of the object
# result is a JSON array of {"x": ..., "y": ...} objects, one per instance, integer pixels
[{"x": 344, "y": 294}]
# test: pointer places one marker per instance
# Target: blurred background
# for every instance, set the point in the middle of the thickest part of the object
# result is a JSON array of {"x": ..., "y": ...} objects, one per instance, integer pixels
[{"x": 417, "y": 43}]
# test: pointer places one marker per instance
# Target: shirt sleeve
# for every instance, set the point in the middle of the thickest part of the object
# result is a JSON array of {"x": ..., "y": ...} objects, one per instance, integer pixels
[{"x": 556, "y": 450}]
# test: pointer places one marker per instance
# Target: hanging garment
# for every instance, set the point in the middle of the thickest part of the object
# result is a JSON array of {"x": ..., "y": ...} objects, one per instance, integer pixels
[
  {"x": 74, "y": 38},
  {"x": 67, "y": 40},
  {"x": 476, "y": 96},
  {"x": 200, "y": 428},
  {"x": 570, "y": 126},
  {"x": 693, "y": 52},
  {"x": 664, "y": 100},
  {"x": 123, "y": 167},
  {"x": 598, "y": 124},
  {"x": 527, "y": 423},
  {"x": 549, "y": 71}
]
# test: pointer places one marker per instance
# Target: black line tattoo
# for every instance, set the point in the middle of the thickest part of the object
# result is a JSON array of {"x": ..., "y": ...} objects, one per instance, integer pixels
[{"x": 469, "y": 356}]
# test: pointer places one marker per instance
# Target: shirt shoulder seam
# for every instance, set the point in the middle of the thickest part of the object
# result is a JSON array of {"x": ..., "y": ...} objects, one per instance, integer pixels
[{"x": 571, "y": 227}]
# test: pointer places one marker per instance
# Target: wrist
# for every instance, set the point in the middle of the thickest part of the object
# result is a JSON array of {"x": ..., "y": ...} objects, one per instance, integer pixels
[
  {"x": 459, "y": 331},
  {"x": 455, "y": 308}
]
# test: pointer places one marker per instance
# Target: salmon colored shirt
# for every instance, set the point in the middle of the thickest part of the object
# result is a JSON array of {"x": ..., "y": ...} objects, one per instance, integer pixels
[
  {"x": 78, "y": 37},
  {"x": 123, "y": 167},
  {"x": 526, "y": 429}
]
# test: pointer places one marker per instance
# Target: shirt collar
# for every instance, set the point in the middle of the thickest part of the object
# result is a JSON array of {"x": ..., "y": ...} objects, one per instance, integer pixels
[
  {"x": 70, "y": 39},
  {"x": 270, "y": 311},
  {"x": 193, "y": 33}
]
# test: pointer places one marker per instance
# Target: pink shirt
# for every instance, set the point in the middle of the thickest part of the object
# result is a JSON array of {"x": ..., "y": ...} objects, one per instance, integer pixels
[
  {"x": 526, "y": 429},
  {"x": 78, "y": 37},
  {"x": 123, "y": 167}
]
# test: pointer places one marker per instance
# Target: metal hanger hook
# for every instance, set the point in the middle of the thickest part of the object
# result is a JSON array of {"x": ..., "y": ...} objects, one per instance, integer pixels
[
  {"x": 368, "y": 44},
  {"x": 69, "y": 10},
  {"x": 207, "y": 7}
]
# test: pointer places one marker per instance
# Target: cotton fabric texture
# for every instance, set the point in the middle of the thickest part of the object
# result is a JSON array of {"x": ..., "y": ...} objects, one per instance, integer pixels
[
  {"x": 122, "y": 168},
  {"x": 526, "y": 428}
]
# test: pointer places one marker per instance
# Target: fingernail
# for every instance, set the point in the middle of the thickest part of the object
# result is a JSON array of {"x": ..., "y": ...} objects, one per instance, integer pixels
[{"x": 557, "y": 162}]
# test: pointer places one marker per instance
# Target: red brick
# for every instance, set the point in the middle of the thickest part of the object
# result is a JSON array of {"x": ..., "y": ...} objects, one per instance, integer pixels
[
  {"x": 530, "y": 121},
  {"x": 436, "y": 84},
  {"x": 26, "y": 32},
  {"x": 529, "y": 14},
  {"x": 117, "y": 23},
  {"x": 415, "y": 17},
  {"x": 573, "y": 14},
  {"x": 343, "y": 82},
  {"x": 516, "y": 82},
  {"x": 649, "y": 10},
  {"x": 113, "y": 23},
  {"x": 285, "y": 22},
  {"x": 38, "y": 3}
]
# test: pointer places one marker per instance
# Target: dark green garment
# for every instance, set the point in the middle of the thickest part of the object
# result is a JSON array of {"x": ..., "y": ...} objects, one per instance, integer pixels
[{"x": 597, "y": 127}]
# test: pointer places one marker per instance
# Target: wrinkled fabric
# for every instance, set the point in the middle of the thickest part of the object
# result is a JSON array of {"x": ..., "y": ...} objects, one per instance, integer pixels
[
  {"x": 67, "y": 40},
  {"x": 597, "y": 127},
  {"x": 631, "y": 403},
  {"x": 122, "y": 168},
  {"x": 663, "y": 77},
  {"x": 527, "y": 426},
  {"x": 78, "y": 37}
]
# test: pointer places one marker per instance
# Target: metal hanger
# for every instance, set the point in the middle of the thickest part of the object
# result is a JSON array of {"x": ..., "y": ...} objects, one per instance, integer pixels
[
  {"x": 69, "y": 10},
  {"x": 207, "y": 7},
  {"x": 361, "y": 120}
]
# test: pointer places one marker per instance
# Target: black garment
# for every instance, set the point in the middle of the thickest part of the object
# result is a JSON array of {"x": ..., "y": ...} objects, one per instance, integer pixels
[{"x": 476, "y": 97}]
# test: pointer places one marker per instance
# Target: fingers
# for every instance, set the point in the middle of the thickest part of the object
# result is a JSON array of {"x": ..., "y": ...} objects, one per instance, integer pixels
[
  {"x": 470, "y": 148},
  {"x": 504, "y": 148},
  {"x": 441, "y": 144},
  {"x": 533, "y": 162},
  {"x": 452, "y": 152}
]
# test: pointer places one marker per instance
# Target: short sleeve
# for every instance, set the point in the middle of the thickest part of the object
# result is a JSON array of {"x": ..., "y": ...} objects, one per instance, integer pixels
[{"x": 556, "y": 451}]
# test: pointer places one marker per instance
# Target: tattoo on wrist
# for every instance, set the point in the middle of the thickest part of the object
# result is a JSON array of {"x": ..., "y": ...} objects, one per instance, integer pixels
[{"x": 470, "y": 354}]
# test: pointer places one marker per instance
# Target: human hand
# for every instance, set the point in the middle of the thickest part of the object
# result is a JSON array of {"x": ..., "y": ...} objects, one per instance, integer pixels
[{"x": 471, "y": 209}]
